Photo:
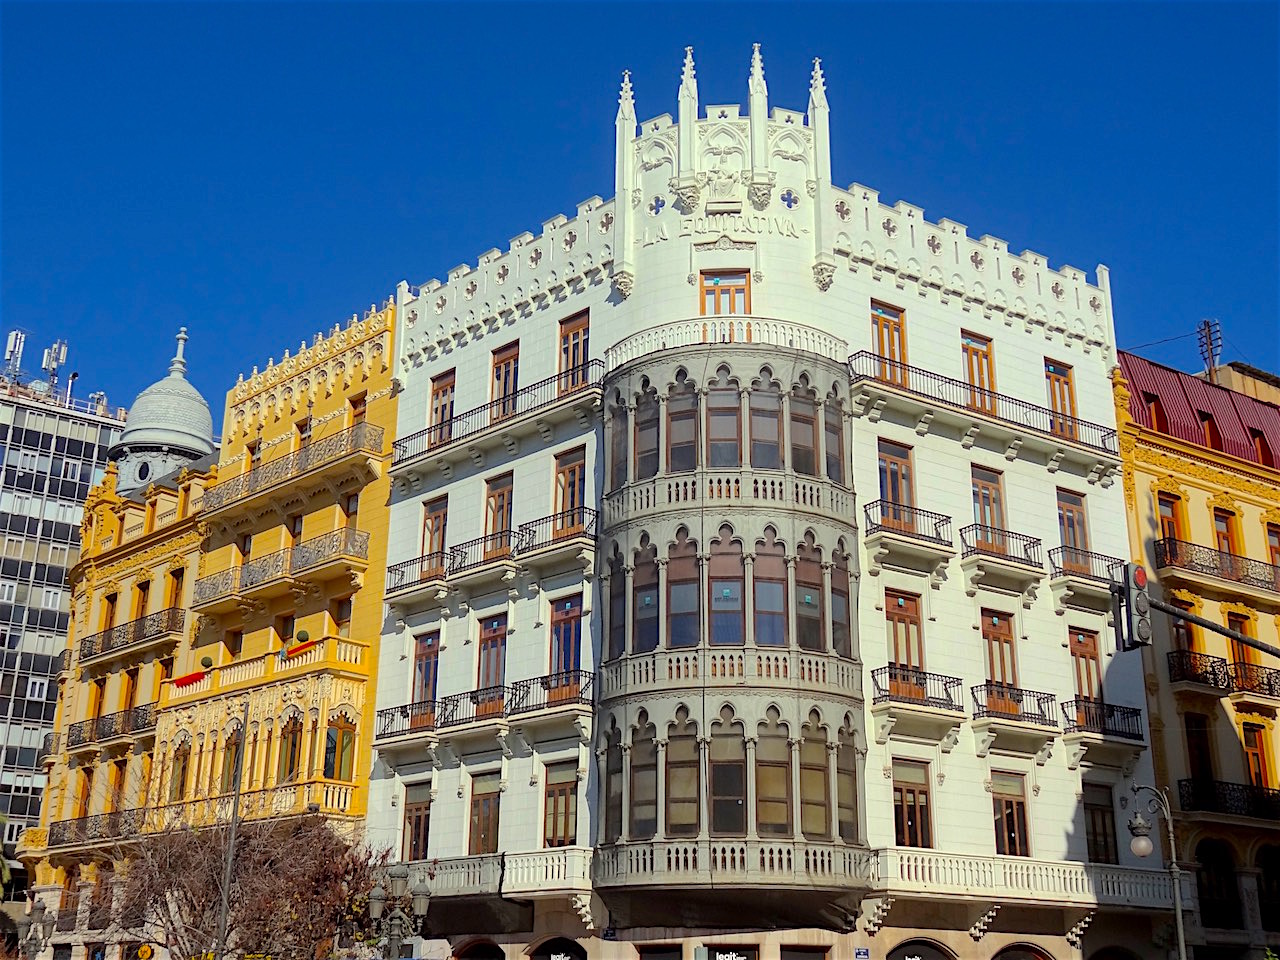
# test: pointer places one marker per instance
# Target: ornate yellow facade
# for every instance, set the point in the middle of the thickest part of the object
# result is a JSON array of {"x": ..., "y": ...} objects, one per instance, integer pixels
[{"x": 1203, "y": 498}]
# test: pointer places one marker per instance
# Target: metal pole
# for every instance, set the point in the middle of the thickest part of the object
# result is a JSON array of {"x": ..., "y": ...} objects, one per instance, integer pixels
[
  {"x": 220, "y": 944},
  {"x": 1218, "y": 628},
  {"x": 1175, "y": 873}
]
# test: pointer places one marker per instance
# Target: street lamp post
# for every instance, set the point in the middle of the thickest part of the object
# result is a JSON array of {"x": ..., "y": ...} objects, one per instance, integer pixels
[
  {"x": 1141, "y": 845},
  {"x": 35, "y": 930},
  {"x": 399, "y": 924}
]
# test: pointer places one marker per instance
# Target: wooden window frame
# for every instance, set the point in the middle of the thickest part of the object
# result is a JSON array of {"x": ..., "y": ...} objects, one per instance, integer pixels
[
  {"x": 644, "y": 787},
  {"x": 648, "y": 420},
  {"x": 491, "y": 664},
  {"x": 560, "y": 805},
  {"x": 815, "y": 768},
  {"x": 760, "y": 458},
  {"x": 804, "y": 427},
  {"x": 646, "y": 631},
  {"x": 443, "y": 396},
  {"x": 978, "y": 353},
  {"x": 1173, "y": 519},
  {"x": 765, "y": 764},
  {"x": 717, "y": 800},
  {"x": 1060, "y": 384},
  {"x": 1086, "y": 663},
  {"x": 289, "y": 760},
  {"x": 770, "y": 568},
  {"x": 575, "y": 333},
  {"x": 1257, "y": 759},
  {"x": 726, "y": 571},
  {"x": 889, "y": 334},
  {"x": 683, "y": 572},
  {"x": 566, "y": 648},
  {"x": 1009, "y": 810},
  {"x": 504, "y": 381},
  {"x": 485, "y": 816},
  {"x": 912, "y": 805},
  {"x": 417, "y": 822},
  {"x": 682, "y": 407},
  {"x": 682, "y": 758},
  {"x": 719, "y": 291},
  {"x": 724, "y": 402},
  {"x": 340, "y": 749},
  {"x": 570, "y": 484},
  {"x": 809, "y": 577},
  {"x": 1100, "y": 823},
  {"x": 499, "y": 513}
]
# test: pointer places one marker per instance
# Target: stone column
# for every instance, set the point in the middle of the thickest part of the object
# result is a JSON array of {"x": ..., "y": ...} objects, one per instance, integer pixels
[
  {"x": 661, "y": 777},
  {"x": 628, "y": 608},
  {"x": 704, "y": 603},
  {"x": 626, "y": 793},
  {"x": 664, "y": 639},
  {"x": 791, "y": 601},
  {"x": 784, "y": 455},
  {"x": 820, "y": 439},
  {"x": 702, "y": 455},
  {"x": 833, "y": 790},
  {"x": 704, "y": 775},
  {"x": 744, "y": 429},
  {"x": 748, "y": 600},
  {"x": 827, "y": 630},
  {"x": 794, "y": 744},
  {"x": 663, "y": 461},
  {"x": 602, "y": 772},
  {"x": 752, "y": 829}
]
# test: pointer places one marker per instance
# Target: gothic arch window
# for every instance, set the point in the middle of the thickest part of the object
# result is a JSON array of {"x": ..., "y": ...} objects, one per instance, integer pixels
[
  {"x": 619, "y": 443},
  {"x": 617, "y": 607},
  {"x": 613, "y": 786},
  {"x": 180, "y": 773},
  {"x": 644, "y": 781},
  {"x": 725, "y": 585},
  {"x": 804, "y": 430},
  {"x": 847, "y": 783},
  {"x": 684, "y": 607},
  {"x": 769, "y": 586},
  {"x": 682, "y": 426},
  {"x": 683, "y": 773},
  {"x": 644, "y": 593},
  {"x": 647, "y": 413},
  {"x": 811, "y": 631},
  {"x": 815, "y": 780},
  {"x": 833, "y": 438},
  {"x": 340, "y": 748},
  {"x": 724, "y": 422},
  {"x": 841, "y": 614},
  {"x": 231, "y": 748},
  {"x": 289, "y": 767},
  {"x": 773, "y": 777},
  {"x": 727, "y": 772},
  {"x": 766, "y": 423}
]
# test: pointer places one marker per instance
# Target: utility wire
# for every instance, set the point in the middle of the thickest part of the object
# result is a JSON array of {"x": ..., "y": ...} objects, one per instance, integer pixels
[{"x": 1154, "y": 343}]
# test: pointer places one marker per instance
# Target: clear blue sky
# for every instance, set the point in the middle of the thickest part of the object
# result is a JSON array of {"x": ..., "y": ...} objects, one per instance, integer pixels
[{"x": 258, "y": 172}]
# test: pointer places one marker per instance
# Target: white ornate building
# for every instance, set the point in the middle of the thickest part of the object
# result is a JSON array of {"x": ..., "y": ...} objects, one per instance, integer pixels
[{"x": 747, "y": 577}]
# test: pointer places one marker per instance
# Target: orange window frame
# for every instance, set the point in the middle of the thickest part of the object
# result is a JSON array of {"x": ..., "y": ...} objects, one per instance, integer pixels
[{"x": 722, "y": 297}]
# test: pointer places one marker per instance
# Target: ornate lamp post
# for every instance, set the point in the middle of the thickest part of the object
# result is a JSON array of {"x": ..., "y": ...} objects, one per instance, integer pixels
[
  {"x": 399, "y": 924},
  {"x": 35, "y": 930},
  {"x": 1141, "y": 845}
]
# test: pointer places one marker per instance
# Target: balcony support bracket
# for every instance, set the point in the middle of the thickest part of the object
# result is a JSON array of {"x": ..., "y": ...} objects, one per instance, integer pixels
[
  {"x": 1075, "y": 936},
  {"x": 983, "y": 922},
  {"x": 874, "y": 912}
]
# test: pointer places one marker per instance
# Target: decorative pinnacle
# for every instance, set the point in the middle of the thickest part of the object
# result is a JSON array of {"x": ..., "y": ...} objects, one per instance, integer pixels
[
  {"x": 687, "y": 76},
  {"x": 626, "y": 99},
  {"x": 178, "y": 366},
  {"x": 817, "y": 82},
  {"x": 757, "y": 65}
]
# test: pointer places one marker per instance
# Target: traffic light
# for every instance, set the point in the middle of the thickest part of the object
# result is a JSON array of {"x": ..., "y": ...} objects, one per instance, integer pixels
[{"x": 1137, "y": 607}]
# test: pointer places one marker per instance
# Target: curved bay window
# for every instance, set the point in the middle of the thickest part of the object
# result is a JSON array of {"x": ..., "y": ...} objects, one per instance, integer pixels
[
  {"x": 725, "y": 584},
  {"x": 769, "y": 584},
  {"x": 644, "y": 782},
  {"x": 811, "y": 632},
  {"x": 644, "y": 591},
  {"x": 724, "y": 423},
  {"x": 290, "y": 764},
  {"x": 684, "y": 610},
  {"x": 773, "y": 778},
  {"x": 617, "y": 608},
  {"x": 841, "y": 617},
  {"x": 847, "y": 786},
  {"x": 682, "y": 427},
  {"x": 647, "y": 435},
  {"x": 230, "y": 759},
  {"x": 727, "y": 771},
  {"x": 766, "y": 425},
  {"x": 804, "y": 433},
  {"x": 613, "y": 787},
  {"x": 340, "y": 749},
  {"x": 683, "y": 775},
  {"x": 179, "y": 775},
  {"x": 833, "y": 439},
  {"x": 619, "y": 447},
  {"x": 815, "y": 790}
]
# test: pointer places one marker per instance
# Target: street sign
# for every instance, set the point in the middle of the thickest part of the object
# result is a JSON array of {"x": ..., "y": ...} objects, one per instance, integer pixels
[{"x": 861, "y": 953}]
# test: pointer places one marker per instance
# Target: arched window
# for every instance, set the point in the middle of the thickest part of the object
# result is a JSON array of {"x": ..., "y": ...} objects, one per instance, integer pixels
[
  {"x": 727, "y": 771},
  {"x": 230, "y": 758},
  {"x": 815, "y": 782},
  {"x": 724, "y": 423},
  {"x": 644, "y": 592},
  {"x": 811, "y": 631},
  {"x": 684, "y": 609},
  {"x": 617, "y": 607},
  {"x": 683, "y": 773},
  {"x": 724, "y": 585},
  {"x": 804, "y": 432},
  {"x": 682, "y": 427},
  {"x": 769, "y": 584},
  {"x": 1269, "y": 887},
  {"x": 646, "y": 435},
  {"x": 619, "y": 446},
  {"x": 1219, "y": 890},
  {"x": 773, "y": 778},
  {"x": 613, "y": 787},
  {"x": 919, "y": 950},
  {"x": 339, "y": 749},
  {"x": 833, "y": 438},
  {"x": 644, "y": 782},
  {"x": 847, "y": 785},
  {"x": 179, "y": 775},
  {"x": 766, "y": 424},
  {"x": 1022, "y": 952},
  {"x": 290, "y": 764},
  {"x": 841, "y": 618}
]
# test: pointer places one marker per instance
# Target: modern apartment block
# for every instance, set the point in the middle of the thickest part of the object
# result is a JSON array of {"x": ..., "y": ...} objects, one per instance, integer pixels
[
  {"x": 55, "y": 448},
  {"x": 1203, "y": 492},
  {"x": 748, "y": 574}
]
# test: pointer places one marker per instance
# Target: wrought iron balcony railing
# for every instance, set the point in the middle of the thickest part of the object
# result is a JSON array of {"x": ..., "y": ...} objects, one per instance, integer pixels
[
  {"x": 482, "y": 550},
  {"x": 139, "y": 719},
  {"x": 102, "y": 826},
  {"x": 477, "y": 705},
  {"x": 360, "y": 438},
  {"x": 542, "y": 394},
  {"x": 1221, "y": 796},
  {"x": 1254, "y": 678},
  {"x": 1003, "y": 702},
  {"x": 964, "y": 396},
  {"x": 885, "y": 515},
  {"x": 895, "y": 684},
  {"x": 1074, "y": 562},
  {"x": 62, "y": 662},
  {"x": 123, "y": 635},
  {"x": 346, "y": 542},
  {"x": 262, "y": 569},
  {"x": 224, "y": 583},
  {"x": 1187, "y": 666},
  {"x": 978, "y": 539},
  {"x": 411, "y": 717},
  {"x": 404, "y": 575},
  {"x": 546, "y": 532},
  {"x": 556, "y": 689},
  {"x": 1195, "y": 558},
  {"x": 48, "y": 747},
  {"x": 525, "y": 696},
  {"x": 80, "y": 733},
  {"x": 1108, "y": 719}
]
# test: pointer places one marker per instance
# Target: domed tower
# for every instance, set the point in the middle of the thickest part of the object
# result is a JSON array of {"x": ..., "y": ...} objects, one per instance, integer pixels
[{"x": 169, "y": 426}]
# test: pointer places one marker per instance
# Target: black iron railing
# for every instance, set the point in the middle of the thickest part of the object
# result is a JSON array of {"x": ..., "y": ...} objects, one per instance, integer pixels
[
  {"x": 895, "y": 684},
  {"x": 224, "y": 583},
  {"x": 80, "y": 733},
  {"x": 908, "y": 521},
  {"x": 347, "y": 542},
  {"x": 123, "y": 635},
  {"x": 135, "y": 720},
  {"x": 553, "y": 690},
  {"x": 142, "y": 718},
  {"x": 363, "y": 437},
  {"x": 1005, "y": 702},
  {"x": 395, "y": 721},
  {"x": 526, "y": 400},
  {"x": 476, "y": 705},
  {"x": 995, "y": 542},
  {"x": 482, "y": 550},
  {"x": 548, "y": 531},
  {"x": 410, "y": 573},
  {"x": 1252, "y": 678},
  {"x": 1074, "y": 562},
  {"x": 62, "y": 662},
  {"x": 260, "y": 570},
  {"x": 1108, "y": 719},
  {"x": 1217, "y": 563},
  {"x": 1221, "y": 796},
  {"x": 48, "y": 747},
  {"x": 1186, "y": 666},
  {"x": 102, "y": 826},
  {"x": 964, "y": 396}
]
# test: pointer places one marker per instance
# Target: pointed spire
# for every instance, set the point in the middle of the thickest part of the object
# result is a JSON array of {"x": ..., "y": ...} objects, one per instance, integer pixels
[
  {"x": 756, "y": 82},
  {"x": 687, "y": 77},
  {"x": 817, "y": 85},
  {"x": 178, "y": 366},
  {"x": 626, "y": 99}
]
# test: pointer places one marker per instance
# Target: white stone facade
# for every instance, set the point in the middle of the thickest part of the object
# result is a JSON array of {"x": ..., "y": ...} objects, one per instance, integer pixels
[{"x": 748, "y": 199}]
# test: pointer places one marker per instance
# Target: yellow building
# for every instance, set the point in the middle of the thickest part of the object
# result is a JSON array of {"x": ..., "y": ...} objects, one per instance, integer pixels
[
  {"x": 1203, "y": 493},
  {"x": 249, "y": 588}
]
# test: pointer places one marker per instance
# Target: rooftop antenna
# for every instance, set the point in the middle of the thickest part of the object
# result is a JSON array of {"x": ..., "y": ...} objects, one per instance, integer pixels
[
  {"x": 54, "y": 357},
  {"x": 1209, "y": 335},
  {"x": 13, "y": 354}
]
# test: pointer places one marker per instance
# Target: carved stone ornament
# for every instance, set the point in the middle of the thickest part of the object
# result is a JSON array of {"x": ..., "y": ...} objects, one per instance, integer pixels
[
  {"x": 686, "y": 190},
  {"x": 823, "y": 275},
  {"x": 759, "y": 192},
  {"x": 623, "y": 281}
]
